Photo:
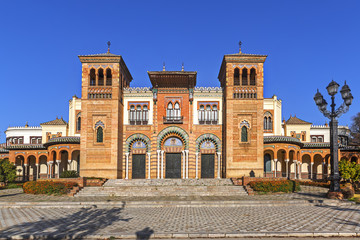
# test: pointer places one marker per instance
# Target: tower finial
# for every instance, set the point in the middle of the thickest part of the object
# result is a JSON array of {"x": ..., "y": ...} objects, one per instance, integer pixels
[
  {"x": 108, "y": 43},
  {"x": 164, "y": 66},
  {"x": 182, "y": 67},
  {"x": 240, "y": 46}
]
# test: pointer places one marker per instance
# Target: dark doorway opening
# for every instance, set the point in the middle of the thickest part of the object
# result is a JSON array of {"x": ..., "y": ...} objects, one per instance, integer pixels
[
  {"x": 138, "y": 166},
  {"x": 207, "y": 165},
  {"x": 173, "y": 165}
]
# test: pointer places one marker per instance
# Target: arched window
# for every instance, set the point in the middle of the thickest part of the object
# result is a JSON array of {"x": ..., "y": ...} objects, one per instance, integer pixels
[
  {"x": 78, "y": 124},
  {"x": 201, "y": 114},
  {"x": 169, "y": 111},
  {"x": 244, "y": 134},
  {"x": 177, "y": 111},
  {"x": 236, "y": 77},
  {"x": 132, "y": 115},
  {"x": 92, "y": 77},
  {"x": 99, "y": 135},
  {"x": 208, "y": 114},
  {"x": 145, "y": 114},
  {"x": 138, "y": 113},
  {"x": 265, "y": 123},
  {"x": 244, "y": 81},
  {"x": 101, "y": 77},
  {"x": 108, "y": 77},
  {"x": 269, "y": 123},
  {"x": 216, "y": 115},
  {"x": 252, "y": 77}
]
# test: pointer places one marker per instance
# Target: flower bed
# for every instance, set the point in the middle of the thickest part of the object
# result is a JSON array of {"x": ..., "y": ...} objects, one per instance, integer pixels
[
  {"x": 315, "y": 184},
  {"x": 275, "y": 186},
  {"x": 48, "y": 187}
]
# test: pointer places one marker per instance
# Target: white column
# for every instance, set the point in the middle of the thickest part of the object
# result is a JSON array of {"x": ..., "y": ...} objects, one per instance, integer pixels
[
  {"x": 25, "y": 171},
  {"x": 219, "y": 163},
  {"x": 275, "y": 166},
  {"x": 311, "y": 170},
  {"x": 149, "y": 165},
  {"x": 287, "y": 168},
  {"x": 299, "y": 169},
  {"x": 162, "y": 164},
  {"x": 58, "y": 166},
  {"x": 196, "y": 165},
  {"x": 183, "y": 156},
  {"x": 69, "y": 164},
  {"x": 50, "y": 168},
  {"x": 37, "y": 171},
  {"x": 158, "y": 163},
  {"x": 295, "y": 168},
  {"x": 187, "y": 163},
  {"x": 127, "y": 166},
  {"x": 323, "y": 170}
]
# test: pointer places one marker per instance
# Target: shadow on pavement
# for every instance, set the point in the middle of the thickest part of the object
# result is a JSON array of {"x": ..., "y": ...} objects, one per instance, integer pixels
[{"x": 76, "y": 225}]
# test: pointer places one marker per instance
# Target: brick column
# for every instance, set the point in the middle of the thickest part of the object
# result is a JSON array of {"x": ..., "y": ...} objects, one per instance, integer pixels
[
  {"x": 197, "y": 165},
  {"x": 127, "y": 166}
]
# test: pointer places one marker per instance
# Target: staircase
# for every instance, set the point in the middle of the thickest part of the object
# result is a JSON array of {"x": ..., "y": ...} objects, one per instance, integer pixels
[{"x": 164, "y": 188}]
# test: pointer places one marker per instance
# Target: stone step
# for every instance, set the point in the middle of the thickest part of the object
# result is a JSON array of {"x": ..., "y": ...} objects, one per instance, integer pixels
[
  {"x": 163, "y": 191},
  {"x": 169, "y": 182}
]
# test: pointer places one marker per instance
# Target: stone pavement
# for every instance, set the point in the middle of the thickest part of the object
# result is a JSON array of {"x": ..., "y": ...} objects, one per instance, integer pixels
[{"x": 179, "y": 222}]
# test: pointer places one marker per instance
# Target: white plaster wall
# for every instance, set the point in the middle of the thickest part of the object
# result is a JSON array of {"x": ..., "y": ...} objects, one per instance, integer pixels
[
  {"x": 26, "y": 132},
  {"x": 74, "y": 105},
  {"x": 53, "y": 129},
  {"x": 138, "y": 99},
  {"x": 275, "y": 105},
  {"x": 321, "y": 130},
  {"x": 206, "y": 99}
]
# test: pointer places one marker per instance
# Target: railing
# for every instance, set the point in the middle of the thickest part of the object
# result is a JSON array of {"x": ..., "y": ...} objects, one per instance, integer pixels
[
  {"x": 138, "y": 122},
  {"x": 210, "y": 122},
  {"x": 173, "y": 119}
]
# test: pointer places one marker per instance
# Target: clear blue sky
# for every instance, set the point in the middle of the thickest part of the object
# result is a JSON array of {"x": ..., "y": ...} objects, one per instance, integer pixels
[{"x": 308, "y": 43}]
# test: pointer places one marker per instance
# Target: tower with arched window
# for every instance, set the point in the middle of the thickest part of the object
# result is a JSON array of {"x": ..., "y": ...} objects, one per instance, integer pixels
[
  {"x": 241, "y": 77},
  {"x": 104, "y": 76}
]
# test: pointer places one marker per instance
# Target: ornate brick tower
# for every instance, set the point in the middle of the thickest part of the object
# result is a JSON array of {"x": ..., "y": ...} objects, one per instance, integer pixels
[
  {"x": 104, "y": 76},
  {"x": 241, "y": 76}
]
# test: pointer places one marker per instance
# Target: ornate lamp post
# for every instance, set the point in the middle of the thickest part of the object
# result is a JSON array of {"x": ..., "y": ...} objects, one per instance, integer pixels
[{"x": 345, "y": 91}]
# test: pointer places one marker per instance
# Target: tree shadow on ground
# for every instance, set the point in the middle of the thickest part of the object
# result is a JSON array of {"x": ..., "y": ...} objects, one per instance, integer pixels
[
  {"x": 144, "y": 234},
  {"x": 82, "y": 223},
  {"x": 355, "y": 214}
]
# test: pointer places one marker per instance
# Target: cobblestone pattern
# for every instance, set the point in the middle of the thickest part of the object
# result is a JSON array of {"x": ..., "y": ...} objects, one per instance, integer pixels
[
  {"x": 59, "y": 222},
  {"x": 16, "y": 195}
]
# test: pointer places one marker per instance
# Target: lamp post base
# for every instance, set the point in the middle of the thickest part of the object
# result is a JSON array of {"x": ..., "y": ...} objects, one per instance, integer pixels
[{"x": 335, "y": 195}]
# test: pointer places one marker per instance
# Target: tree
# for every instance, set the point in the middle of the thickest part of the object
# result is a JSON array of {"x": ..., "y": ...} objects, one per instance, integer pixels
[
  {"x": 349, "y": 170},
  {"x": 7, "y": 171},
  {"x": 355, "y": 128}
]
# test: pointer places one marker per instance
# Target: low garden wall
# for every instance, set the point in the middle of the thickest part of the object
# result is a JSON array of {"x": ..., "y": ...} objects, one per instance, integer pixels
[{"x": 243, "y": 181}]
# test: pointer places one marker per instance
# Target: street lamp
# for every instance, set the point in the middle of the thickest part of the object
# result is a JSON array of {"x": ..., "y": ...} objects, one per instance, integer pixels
[{"x": 346, "y": 95}]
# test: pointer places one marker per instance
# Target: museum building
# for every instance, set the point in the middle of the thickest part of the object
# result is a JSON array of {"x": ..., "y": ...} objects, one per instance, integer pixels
[{"x": 174, "y": 129}]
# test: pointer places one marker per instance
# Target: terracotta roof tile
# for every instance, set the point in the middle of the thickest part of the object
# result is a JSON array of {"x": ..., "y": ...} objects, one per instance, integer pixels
[
  {"x": 57, "y": 121},
  {"x": 295, "y": 120}
]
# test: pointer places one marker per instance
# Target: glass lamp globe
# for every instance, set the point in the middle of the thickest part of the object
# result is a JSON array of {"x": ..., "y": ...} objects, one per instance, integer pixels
[
  {"x": 332, "y": 88},
  {"x": 345, "y": 91},
  {"x": 349, "y": 99},
  {"x": 323, "y": 105},
  {"x": 318, "y": 98}
]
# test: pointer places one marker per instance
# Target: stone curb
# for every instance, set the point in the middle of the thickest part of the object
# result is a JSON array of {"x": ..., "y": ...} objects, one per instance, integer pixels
[
  {"x": 142, "y": 204},
  {"x": 191, "y": 235}
]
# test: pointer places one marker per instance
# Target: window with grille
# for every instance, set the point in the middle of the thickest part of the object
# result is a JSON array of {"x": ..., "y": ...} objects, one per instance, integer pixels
[
  {"x": 138, "y": 114},
  {"x": 208, "y": 113}
]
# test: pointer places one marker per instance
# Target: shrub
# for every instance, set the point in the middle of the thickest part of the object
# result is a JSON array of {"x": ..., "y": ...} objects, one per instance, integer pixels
[
  {"x": 315, "y": 184},
  {"x": 275, "y": 186},
  {"x": 347, "y": 190},
  {"x": 7, "y": 171},
  {"x": 48, "y": 187},
  {"x": 14, "y": 185},
  {"x": 69, "y": 174}
]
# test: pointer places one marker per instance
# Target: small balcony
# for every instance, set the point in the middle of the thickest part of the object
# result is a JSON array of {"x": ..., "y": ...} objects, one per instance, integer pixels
[
  {"x": 173, "y": 119},
  {"x": 208, "y": 122},
  {"x": 137, "y": 122}
]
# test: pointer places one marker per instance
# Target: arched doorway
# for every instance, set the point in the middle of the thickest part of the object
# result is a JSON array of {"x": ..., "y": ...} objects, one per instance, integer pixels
[
  {"x": 267, "y": 164},
  {"x": 207, "y": 150},
  {"x": 138, "y": 160},
  {"x": 174, "y": 148}
]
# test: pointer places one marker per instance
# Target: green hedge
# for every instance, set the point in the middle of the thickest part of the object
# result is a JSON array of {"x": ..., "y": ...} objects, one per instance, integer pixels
[
  {"x": 48, "y": 187},
  {"x": 69, "y": 174},
  {"x": 275, "y": 186}
]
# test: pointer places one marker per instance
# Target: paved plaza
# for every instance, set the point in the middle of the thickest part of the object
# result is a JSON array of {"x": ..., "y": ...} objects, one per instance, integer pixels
[
  {"x": 304, "y": 214},
  {"x": 180, "y": 222}
]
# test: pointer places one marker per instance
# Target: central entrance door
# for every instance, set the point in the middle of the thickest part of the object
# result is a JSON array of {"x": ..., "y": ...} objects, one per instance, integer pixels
[
  {"x": 138, "y": 166},
  {"x": 173, "y": 165},
  {"x": 207, "y": 165}
]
